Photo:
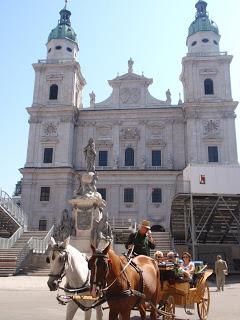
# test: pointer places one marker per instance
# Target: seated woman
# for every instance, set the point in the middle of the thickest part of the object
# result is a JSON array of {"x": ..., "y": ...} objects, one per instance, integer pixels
[
  {"x": 158, "y": 256},
  {"x": 187, "y": 266}
]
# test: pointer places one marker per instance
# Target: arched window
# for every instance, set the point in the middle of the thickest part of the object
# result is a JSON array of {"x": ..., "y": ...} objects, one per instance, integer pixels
[
  {"x": 208, "y": 86},
  {"x": 53, "y": 93},
  {"x": 129, "y": 157}
]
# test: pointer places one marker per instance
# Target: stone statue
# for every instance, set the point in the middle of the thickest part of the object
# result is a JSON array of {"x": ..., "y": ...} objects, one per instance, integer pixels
[
  {"x": 168, "y": 96},
  {"x": 130, "y": 65},
  {"x": 143, "y": 163},
  {"x": 90, "y": 155},
  {"x": 115, "y": 165},
  {"x": 64, "y": 229},
  {"x": 101, "y": 230},
  {"x": 92, "y": 98},
  {"x": 86, "y": 183}
]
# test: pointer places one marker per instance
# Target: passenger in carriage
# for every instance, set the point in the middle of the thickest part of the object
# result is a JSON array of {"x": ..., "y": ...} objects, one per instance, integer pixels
[
  {"x": 171, "y": 257},
  {"x": 158, "y": 256},
  {"x": 187, "y": 266},
  {"x": 141, "y": 241}
]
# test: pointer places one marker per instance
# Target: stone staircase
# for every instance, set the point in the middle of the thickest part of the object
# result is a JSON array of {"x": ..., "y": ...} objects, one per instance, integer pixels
[
  {"x": 10, "y": 259},
  {"x": 162, "y": 241}
]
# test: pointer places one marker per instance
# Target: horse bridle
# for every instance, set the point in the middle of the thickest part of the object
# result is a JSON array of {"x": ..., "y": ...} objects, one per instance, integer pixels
[
  {"x": 97, "y": 255},
  {"x": 61, "y": 274}
]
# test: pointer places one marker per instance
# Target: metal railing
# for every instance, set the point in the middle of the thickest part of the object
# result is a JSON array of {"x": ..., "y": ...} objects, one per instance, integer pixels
[
  {"x": 6, "y": 243},
  {"x": 206, "y": 54},
  {"x": 55, "y": 61},
  {"x": 41, "y": 245},
  {"x": 12, "y": 209}
]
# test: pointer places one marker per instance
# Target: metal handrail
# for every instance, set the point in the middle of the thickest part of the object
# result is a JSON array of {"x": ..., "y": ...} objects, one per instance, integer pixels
[
  {"x": 41, "y": 245},
  {"x": 12, "y": 209},
  {"x": 6, "y": 243}
]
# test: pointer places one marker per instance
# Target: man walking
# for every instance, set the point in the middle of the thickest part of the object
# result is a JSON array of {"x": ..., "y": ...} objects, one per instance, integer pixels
[{"x": 221, "y": 270}]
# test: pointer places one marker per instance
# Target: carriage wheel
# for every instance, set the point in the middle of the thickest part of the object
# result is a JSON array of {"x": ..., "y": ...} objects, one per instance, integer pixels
[
  {"x": 169, "y": 307},
  {"x": 203, "y": 304}
]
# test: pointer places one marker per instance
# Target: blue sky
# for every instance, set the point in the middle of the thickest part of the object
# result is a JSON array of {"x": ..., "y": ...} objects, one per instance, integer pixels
[{"x": 152, "y": 32}]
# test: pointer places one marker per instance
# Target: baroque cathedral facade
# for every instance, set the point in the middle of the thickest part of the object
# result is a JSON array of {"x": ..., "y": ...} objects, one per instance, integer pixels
[{"x": 143, "y": 144}]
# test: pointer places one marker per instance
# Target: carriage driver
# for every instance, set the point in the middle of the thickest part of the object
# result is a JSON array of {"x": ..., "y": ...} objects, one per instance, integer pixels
[{"x": 142, "y": 240}]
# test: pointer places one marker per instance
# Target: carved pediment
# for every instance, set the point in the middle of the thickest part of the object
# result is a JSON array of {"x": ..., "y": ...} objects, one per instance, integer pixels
[
  {"x": 104, "y": 143},
  {"x": 104, "y": 131}
]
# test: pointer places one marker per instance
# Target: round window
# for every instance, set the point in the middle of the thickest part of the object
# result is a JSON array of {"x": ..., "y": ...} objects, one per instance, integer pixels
[
  {"x": 194, "y": 43},
  {"x": 205, "y": 40},
  {"x": 58, "y": 47}
]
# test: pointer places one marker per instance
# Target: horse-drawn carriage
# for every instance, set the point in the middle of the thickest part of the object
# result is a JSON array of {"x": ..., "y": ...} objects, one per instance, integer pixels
[
  {"x": 124, "y": 284},
  {"x": 184, "y": 293}
]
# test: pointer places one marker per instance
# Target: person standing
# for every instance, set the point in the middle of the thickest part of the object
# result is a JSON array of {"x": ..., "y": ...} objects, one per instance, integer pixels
[
  {"x": 221, "y": 270},
  {"x": 141, "y": 241}
]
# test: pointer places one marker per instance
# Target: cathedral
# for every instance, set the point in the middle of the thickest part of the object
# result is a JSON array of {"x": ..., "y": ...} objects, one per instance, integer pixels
[{"x": 143, "y": 144}]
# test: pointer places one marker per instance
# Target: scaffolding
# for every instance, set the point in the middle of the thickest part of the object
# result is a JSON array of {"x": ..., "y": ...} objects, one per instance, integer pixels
[{"x": 205, "y": 219}]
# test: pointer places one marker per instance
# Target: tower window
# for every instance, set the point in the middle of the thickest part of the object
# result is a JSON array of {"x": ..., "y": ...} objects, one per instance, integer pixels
[
  {"x": 215, "y": 42},
  {"x": 156, "y": 195},
  {"x": 53, "y": 93},
  {"x": 69, "y": 49},
  {"x": 49, "y": 50},
  {"x": 103, "y": 158},
  {"x": 58, "y": 47},
  {"x": 156, "y": 158},
  {"x": 208, "y": 86},
  {"x": 128, "y": 195},
  {"x": 194, "y": 43},
  {"x": 205, "y": 40},
  {"x": 103, "y": 192},
  {"x": 45, "y": 194},
  {"x": 129, "y": 157},
  {"x": 48, "y": 155},
  {"x": 212, "y": 154},
  {"x": 42, "y": 225}
]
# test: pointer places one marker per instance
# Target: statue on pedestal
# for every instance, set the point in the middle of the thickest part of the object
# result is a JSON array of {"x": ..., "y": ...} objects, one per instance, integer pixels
[
  {"x": 90, "y": 155},
  {"x": 168, "y": 96}
]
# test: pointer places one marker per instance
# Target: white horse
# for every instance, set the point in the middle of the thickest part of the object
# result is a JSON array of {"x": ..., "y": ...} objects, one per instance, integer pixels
[{"x": 67, "y": 261}]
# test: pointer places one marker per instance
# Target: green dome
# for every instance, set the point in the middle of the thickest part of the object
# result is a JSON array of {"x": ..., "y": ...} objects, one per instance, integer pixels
[
  {"x": 202, "y": 24},
  {"x": 202, "y": 21},
  {"x": 63, "y": 30}
]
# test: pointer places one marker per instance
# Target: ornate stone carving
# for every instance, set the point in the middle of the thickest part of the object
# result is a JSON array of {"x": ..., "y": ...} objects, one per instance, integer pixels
[
  {"x": 49, "y": 129},
  {"x": 130, "y": 95},
  {"x": 129, "y": 133},
  {"x": 156, "y": 142},
  {"x": 228, "y": 114},
  {"x": 211, "y": 127},
  {"x": 208, "y": 71},
  {"x": 34, "y": 119},
  {"x": 103, "y": 132}
]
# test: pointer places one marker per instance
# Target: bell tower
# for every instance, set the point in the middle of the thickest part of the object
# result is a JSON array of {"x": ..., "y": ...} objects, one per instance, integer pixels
[
  {"x": 57, "y": 99},
  {"x": 208, "y": 104}
]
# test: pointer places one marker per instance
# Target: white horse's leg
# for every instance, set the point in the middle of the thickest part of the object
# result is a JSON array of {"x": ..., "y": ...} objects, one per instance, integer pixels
[
  {"x": 71, "y": 310},
  {"x": 99, "y": 312},
  {"x": 88, "y": 314}
]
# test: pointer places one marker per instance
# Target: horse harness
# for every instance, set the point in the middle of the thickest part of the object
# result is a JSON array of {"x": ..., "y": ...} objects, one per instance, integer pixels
[
  {"x": 58, "y": 277},
  {"x": 107, "y": 296}
]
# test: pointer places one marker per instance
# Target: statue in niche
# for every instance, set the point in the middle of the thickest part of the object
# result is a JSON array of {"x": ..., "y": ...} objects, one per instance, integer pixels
[
  {"x": 90, "y": 155},
  {"x": 130, "y": 65},
  {"x": 168, "y": 96}
]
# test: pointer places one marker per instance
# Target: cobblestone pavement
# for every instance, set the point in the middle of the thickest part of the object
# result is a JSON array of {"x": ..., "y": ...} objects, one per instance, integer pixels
[{"x": 28, "y": 298}]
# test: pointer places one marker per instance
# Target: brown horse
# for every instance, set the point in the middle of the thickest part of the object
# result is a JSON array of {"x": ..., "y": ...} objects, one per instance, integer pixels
[{"x": 124, "y": 284}]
